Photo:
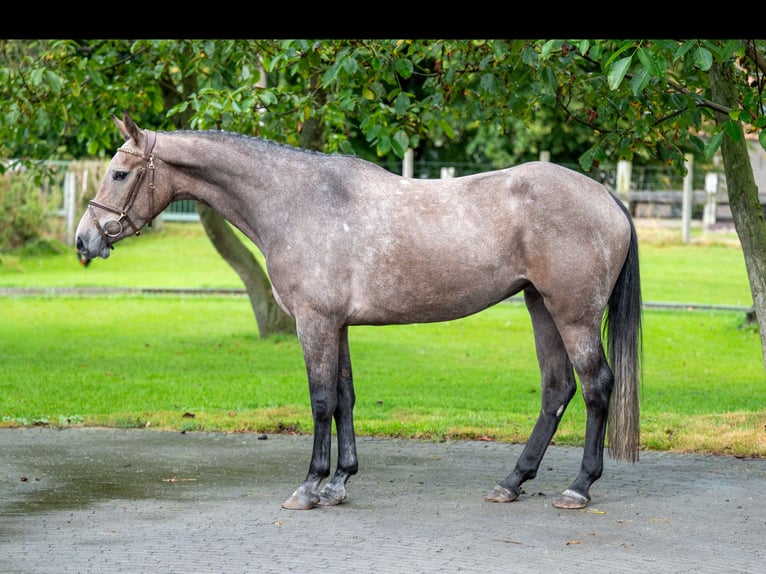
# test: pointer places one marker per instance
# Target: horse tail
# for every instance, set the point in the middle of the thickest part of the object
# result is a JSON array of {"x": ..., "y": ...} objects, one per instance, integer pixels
[{"x": 623, "y": 330}]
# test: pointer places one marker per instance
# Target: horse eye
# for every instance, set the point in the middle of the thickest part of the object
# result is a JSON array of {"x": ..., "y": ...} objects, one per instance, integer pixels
[{"x": 119, "y": 175}]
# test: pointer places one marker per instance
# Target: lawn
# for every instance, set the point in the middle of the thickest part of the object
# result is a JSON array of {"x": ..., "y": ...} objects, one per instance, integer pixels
[{"x": 196, "y": 363}]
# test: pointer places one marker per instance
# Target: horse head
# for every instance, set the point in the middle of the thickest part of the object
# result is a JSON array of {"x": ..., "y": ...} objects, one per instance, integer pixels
[{"x": 127, "y": 198}]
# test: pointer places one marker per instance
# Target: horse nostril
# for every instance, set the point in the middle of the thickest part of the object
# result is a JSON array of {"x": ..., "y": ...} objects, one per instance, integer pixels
[{"x": 79, "y": 244}]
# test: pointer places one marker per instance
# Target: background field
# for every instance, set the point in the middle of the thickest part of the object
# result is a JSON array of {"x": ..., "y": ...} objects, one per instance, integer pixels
[{"x": 196, "y": 363}]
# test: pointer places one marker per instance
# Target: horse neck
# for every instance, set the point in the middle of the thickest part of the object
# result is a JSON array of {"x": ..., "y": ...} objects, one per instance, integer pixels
[{"x": 238, "y": 180}]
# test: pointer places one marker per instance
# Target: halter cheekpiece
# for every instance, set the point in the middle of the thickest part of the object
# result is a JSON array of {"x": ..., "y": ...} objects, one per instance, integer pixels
[{"x": 114, "y": 227}]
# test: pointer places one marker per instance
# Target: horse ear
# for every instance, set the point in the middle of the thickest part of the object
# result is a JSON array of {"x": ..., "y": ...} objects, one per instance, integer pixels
[
  {"x": 121, "y": 127},
  {"x": 128, "y": 128}
]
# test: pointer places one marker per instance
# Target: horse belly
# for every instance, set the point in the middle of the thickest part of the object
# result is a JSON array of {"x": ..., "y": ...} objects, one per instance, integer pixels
[{"x": 428, "y": 293}]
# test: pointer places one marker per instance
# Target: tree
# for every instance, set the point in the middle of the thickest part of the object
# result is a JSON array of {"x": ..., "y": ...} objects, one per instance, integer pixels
[{"x": 644, "y": 100}]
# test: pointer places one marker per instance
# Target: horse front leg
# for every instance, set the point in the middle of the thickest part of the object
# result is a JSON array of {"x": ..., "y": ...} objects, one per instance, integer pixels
[
  {"x": 557, "y": 389},
  {"x": 334, "y": 492},
  {"x": 320, "y": 345}
]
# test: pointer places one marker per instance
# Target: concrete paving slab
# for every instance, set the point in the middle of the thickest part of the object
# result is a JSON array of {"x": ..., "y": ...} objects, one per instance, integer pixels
[{"x": 105, "y": 500}]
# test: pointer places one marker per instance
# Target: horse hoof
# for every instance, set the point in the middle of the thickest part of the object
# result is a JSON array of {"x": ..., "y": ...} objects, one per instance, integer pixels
[
  {"x": 332, "y": 496},
  {"x": 501, "y": 494},
  {"x": 571, "y": 500},
  {"x": 301, "y": 499}
]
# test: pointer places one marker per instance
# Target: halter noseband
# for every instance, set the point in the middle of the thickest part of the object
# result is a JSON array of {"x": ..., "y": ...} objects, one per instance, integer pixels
[{"x": 114, "y": 227}]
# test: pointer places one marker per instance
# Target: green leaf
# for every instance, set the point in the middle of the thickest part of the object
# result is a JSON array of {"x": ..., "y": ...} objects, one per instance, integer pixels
[
  {"x": 350, "y": 65},
  {"x": 713, "y": 143},
  {"x": 499, "y": 49},
  {"x": 400, "y": 143},
  {"x": 331, "y": 75},
  {"x": 401, "y": 104},
  {"x": 616, "y": 72},
  {"x": 549, "y": 47},
  {"x": 616, "y": 53},
  {"x": 384, "y": 145},
  {"x": 267, "y": 97},
  {"x": 54, "y": 81},
  {"x": 639, "y": 81},
  {"x": 37, "y": 76},
  {"x": 404, "y": 67},
  {"x": 587, "y": 159},
  {"x": 649, "y": 64},
  {"x": 447, "y": 128},
  {"x": 683, "y": 49},
  {"x": 733, "y": 130},
  {"x": 529, "y": 57},
  {"x": 549, "y": 76},
  {"x": 488, "y": 82},
  {"x": 703, "y": 59},
  {"x": 372, "y": 133}
]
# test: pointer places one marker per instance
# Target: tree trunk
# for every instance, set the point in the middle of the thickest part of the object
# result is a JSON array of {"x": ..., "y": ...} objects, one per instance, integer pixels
[
  {"x": 745, "y": 205},
  {"x": 269, "y": 316}
]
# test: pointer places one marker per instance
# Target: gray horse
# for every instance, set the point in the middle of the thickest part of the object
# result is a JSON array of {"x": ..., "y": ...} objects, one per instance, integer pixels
[{"x": 349, "y": 243}]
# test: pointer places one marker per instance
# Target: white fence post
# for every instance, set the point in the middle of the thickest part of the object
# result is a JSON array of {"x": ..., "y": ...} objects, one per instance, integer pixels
[
  {"x": 545, "y": 155},
  {"x": 408, "y": 163},
  {"x": 686, "y": 201},
  {"x": 711, "y": 200},
  {"x": 70, "y": 202},
  {"x": 624, "y": 174}
]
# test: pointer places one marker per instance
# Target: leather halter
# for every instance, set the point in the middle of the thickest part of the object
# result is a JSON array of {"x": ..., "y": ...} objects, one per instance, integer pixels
[{"x": 148, "y": 157}]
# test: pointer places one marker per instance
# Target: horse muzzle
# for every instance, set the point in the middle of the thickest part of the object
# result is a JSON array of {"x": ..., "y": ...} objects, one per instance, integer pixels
[{"x": 90, "y": 245}]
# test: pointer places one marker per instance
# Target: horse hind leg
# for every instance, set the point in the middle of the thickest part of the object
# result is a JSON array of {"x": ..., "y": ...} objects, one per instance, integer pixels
[
  {"x": 557, "y": 389},
  {"x": 596, "y": 382}
]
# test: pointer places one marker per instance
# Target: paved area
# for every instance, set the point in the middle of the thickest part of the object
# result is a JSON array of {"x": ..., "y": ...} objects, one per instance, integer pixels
[{"x": 101, "y": 501}]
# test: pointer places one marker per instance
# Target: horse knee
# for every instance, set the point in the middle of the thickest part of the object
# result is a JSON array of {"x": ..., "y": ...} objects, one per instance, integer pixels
[{"x": 323, "y": 405}]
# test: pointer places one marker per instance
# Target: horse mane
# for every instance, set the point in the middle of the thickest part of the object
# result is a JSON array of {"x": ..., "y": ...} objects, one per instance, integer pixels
[{"x": 253, "y": 142}]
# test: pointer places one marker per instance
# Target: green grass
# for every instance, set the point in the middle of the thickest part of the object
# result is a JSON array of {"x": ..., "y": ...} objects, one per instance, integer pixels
[
  {"x": 196, "y": 363},
  {"x": 178, "y": 255}
]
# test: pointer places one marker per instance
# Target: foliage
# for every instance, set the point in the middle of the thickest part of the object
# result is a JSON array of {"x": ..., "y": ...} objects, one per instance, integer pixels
[
  {"x": 30, "y": 221},
  {"x": 648, "y": 96},
  {"x": 22, "y": 214},
  {"x": 643, "y": 99},
  {"x": 489, "y": 100}
]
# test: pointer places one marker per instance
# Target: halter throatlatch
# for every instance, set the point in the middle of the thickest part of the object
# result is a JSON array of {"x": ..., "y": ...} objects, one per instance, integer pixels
[{"x": 114, "y": 227}]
